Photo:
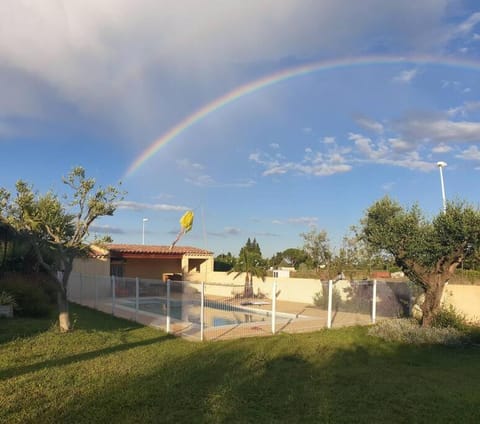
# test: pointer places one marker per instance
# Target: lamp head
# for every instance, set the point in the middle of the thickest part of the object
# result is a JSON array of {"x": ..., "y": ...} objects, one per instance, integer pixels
[{"x": 441, "y": 164}]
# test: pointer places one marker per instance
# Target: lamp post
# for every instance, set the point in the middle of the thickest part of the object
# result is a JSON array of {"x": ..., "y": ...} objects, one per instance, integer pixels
[
  {"x": 442, "y": 165},
  {"x": 143, "y": 229}
]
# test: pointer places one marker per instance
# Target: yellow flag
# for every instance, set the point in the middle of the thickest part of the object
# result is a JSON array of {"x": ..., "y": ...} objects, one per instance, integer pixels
[{"x": 186, "y": 221}]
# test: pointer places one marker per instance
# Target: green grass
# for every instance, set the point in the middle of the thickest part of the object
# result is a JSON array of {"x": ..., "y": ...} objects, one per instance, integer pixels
[{"x": 111, "y": 370}]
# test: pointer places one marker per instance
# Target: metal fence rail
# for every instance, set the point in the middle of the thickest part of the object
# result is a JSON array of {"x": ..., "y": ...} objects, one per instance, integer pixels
[{"x": 210, "y": 311}]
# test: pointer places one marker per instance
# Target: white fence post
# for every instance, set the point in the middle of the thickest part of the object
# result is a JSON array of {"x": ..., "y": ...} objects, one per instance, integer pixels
[
  {"x": 374, "y": 302},
  {"x": 330, "y": 295},
  {"x": 137, "y": 293},
  {"x": 113, "y": 294},
  {"x": 202, "y": 309},
  {"x": 167, "y": 323},
  {"x": 274, "y": 305}
]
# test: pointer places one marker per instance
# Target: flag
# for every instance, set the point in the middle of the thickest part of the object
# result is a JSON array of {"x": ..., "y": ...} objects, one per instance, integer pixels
[{"x": 186, "y": 223}]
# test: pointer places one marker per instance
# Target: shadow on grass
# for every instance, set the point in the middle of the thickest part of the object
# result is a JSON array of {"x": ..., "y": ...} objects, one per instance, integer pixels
[
  {"x": 19, "y": 328},
  {"x": 82, "y": 318},
  {"x": 272, "y": 380},
  {"x": 17, "y": 371}
]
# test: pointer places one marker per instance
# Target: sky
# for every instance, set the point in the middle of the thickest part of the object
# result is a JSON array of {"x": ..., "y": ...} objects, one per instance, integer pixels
[{"x": 265, "y": 118}]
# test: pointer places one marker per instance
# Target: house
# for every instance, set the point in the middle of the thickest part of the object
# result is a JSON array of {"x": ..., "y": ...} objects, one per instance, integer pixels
[
  {"x": 147, "y": 261},
  {"x": 283, "y": 272}
]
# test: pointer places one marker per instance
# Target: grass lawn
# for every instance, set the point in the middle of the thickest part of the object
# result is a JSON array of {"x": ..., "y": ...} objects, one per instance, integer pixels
[{"x": 113, "y": 371}]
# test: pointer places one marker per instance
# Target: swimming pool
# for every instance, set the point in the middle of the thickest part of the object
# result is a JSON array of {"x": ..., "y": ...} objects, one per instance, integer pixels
[{"x": 216, "y": 314}]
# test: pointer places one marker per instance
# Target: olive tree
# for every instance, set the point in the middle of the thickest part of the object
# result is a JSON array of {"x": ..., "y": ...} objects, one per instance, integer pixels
[
  {"x": 427, "y": 250},
  {"x": 58, "y": 228},
  {"x": 316, "y": 247}
]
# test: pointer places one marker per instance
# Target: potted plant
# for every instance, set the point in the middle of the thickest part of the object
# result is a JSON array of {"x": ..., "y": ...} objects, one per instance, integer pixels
[{"x": 7, "y": 303}]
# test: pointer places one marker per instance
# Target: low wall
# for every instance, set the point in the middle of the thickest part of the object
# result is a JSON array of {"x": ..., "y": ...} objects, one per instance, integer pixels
[
  {"x": 300, "y": 290},
  {"x": 465, "y": 299}
]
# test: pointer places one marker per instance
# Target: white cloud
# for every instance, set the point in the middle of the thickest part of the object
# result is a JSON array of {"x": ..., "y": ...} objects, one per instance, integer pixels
[
  {"x": 187, "y": 164},
  {"x": 274, "y": 145},
  {"x": 95, "y": 54},
  {"x": 463, "y": 110},
  {"x": 106, "y": 229},
  {"x": 472, "y": 153},
  {"x": 442, "y": 148},
  {"x": 314, "y": 163},
  {"x": 400, "y": 145},
  {"x": 405, "y": 77},
  {"x": 328, "y": 140},
  {"x": 227, "y": 231},
  {"x": 209, "y": 181},
  {"x": 367, "y": 147},
  {"x": 311, "y": 221},
  {"x": 307, "y": 130},
  {"x": 398, "y": 153},
  {"x": 440, "y": 130},
  {"x": 370, "y": 124},
  {"x": 137, "y": 206},
  {"x": 469, "y": 24}
]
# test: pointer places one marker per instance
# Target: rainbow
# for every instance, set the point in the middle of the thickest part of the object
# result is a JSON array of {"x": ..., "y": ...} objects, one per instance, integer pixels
[{"x": 284, "y": 75}]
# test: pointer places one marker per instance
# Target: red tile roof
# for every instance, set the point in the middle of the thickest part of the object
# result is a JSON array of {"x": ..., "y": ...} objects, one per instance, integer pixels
[{"x": 154, "y": 249}]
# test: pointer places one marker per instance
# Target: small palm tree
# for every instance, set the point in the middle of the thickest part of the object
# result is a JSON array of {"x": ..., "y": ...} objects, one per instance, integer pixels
[{"x": 252, "y": 265}]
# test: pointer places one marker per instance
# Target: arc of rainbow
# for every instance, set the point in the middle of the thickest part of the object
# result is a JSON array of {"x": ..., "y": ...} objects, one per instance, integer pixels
[{"x": 284, "y": 75}]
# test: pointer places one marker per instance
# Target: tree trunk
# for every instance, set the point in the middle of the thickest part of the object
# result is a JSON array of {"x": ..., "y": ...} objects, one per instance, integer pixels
[
  {"x": 63, "y": 314},
  {"x": 62, "y": 279},
  {"x": 433, "y": 298},
  {"x": 248, "y": 290}
]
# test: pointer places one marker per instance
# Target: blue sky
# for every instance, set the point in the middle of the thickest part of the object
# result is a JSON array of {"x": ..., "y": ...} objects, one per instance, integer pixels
[{"x": 95, "y": 83}]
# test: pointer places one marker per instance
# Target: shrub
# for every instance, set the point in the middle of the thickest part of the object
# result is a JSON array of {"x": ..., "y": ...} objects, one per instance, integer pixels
[
  {"x": 7, "y": 299},
  {"x": 321, "y": 298},
  {"x": 449, "y": 317},
  {"x": 409, "y": 331},
  {"x": 32, "y": 298}
]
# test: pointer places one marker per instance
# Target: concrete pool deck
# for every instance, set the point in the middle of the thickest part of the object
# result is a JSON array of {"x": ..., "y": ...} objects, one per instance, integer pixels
[{"x": 291, "y": 317}]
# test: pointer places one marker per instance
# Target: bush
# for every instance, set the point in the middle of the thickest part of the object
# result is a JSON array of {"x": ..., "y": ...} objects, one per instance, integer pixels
[
  {"x": 409, "y": 331},
  {"x": 7, "y": 299},
  {"x": 33, "y": 294},
  {"x": 449, "y": 317},
  {"x": 321, "y": 298}
]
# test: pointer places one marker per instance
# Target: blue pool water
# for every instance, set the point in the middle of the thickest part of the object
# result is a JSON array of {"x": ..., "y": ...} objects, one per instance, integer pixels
[{"x": 159, "y": 307}]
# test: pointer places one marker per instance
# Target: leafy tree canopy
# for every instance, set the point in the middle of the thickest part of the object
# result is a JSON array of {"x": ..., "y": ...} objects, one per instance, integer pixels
[
  {"x": 58, "y": 231},
  {"x": 289, "y": 257},
  {"x": 316, "y": 246},
  {"x": 428, "y": 251}
]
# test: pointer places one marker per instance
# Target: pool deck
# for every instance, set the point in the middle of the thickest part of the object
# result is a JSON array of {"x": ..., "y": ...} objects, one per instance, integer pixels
[{"x": 292, "y": 317}]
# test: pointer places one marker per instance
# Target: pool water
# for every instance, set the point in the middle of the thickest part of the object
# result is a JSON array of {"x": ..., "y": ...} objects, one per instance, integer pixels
[{"x": 214, "y": 316}]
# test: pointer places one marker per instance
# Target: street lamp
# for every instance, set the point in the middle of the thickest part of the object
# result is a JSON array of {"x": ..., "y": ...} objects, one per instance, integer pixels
[
  {"x": 442, "y": 165},
  {"x": 143, "y": 229}
]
